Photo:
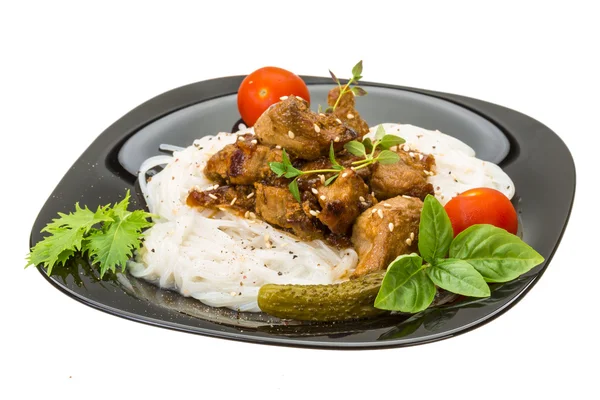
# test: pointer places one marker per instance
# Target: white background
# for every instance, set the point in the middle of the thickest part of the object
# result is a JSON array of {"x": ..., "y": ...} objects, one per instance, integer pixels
[{"x": 69, "y": 70}]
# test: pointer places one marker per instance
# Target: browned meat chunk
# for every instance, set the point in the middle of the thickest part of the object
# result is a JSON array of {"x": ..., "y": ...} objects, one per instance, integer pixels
[
  {"x": 406, "y": 177},
  {"x": 343, "y": 201},
  {"x": 386, "y": 231},
  {"x": 346, "y": 112},
  {"x": 302, "y": 132},
  {"x": 235, "y": 197},
  {"x": 278, "y": 207},
  {"x": 242, "y": 163}
]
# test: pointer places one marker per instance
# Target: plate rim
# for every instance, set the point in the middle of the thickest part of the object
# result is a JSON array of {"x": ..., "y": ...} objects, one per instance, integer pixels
[{"x": 113, "y": 137}]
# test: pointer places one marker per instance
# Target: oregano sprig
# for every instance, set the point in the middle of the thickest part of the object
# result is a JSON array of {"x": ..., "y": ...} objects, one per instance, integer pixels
[
  {"x": 356, "y": 90},
  {"x": 367, "y": 148},
  {"x": 286, "y": 169},
  {"x": 480, "y": 254}
]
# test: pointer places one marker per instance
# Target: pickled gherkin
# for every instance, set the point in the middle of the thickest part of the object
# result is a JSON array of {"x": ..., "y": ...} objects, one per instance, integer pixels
[{"x": 352, "y": 299}]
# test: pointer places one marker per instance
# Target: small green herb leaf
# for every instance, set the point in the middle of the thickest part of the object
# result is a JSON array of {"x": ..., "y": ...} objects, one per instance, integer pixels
[
  {"x": 332, "y": 156},
  {"x": 295, "y": 190},
  {"x": 278, "y": 167},
  {"x": 388, "y": 157},
  {"x": 357, "y": 70},
  {"x": 292, "y": 172},
  {"x": 356, "y": 148},
  {"x": 405, "y": 287},
  {"x": 496, "y": 254},
  {"x": 390, "y": 140},
  {"x": 285, "y": 158},
  {"x": 380, "y": 132},
  {"x": 331, "y": 179},
  {"x": 458, "y": 276},
  {"x": 368, "y": 144},
  {"x": 358, "y": 91},
  {"x": 435, "y": 230},
  {"x": 335, "y": 79}
]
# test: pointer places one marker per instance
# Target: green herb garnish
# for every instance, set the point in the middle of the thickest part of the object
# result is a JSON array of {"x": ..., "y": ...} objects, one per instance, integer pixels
[
  {"x": 356, "y": 90},
  {"x": 367, "y": 148},
  {"x": 286, "y": 169},
  {"x": 109, "y": 235},
  {"x": 480, "y": 254}
]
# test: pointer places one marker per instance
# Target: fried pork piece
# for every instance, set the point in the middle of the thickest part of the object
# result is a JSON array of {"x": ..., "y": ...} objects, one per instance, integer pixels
[
  {"x": 277, "y": 206},
  {"x": 302, "y": 132},
  {"x": 343, "y": 201},
  {"x": 242, "y": 163},
  {"x": 406, "y": 177},
  {"x": 346, "y": 112},
  {"x": 386, "y": 231},
  {"x": 237, "y": 197}
]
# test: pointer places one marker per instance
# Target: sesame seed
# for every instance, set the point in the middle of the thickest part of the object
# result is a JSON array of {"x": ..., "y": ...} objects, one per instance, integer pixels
[
  {"x": 388, "y": 205},
  {"x": 315, "y": 191},
  {"x": 337, "y": 139},
  {"x": 252, "y": 215},
  {"x": 240, "y": 138},
  {"x": 345, "y": 174},
  {"x": 406, "y": 147},
  {"x": 322, "y": 197},
  {"x": 420, "y": 156},
  {"x": 380, "y": 213},
  {"x": 361, "y": 198},
  {"x": 410, "y": 153},
  {"x": 350, "y": 116},
  {"x": 317, "y": 129},
  {"x": 299, "y": 98},
  {"x": 268, "y": 244},
  {"x": 406, "y": 197},
  {"x": 391, "y": 227},
  {"x": 373, "y": 194},
  {"x": 247, "y": 214},
  {"x": 313, "y": 213},
  {"x": 233, "y": 201},
  {"x": 408, "y": 241},
  {"x": 278, "y": 147},
  {"x": 212, "y": 196},
  {"x": 254, "y": 141},
  {"x": 322, "y": 178},
  {"x": 283, "y": 98},
  {"x": 250, "y": 195},
  {"x": 412, "y": 236},
  {"x": 291, "y": 134},
  {"x": 373, "y": 211},
  {"x": 233, "y": 293},
  {"x": 364, "y": 204},
  {"x": 339, "y": 121},
  {"x": 322, "y": 115}
]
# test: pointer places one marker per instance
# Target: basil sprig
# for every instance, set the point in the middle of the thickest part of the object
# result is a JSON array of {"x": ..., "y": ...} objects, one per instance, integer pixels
[{"x": 480, "y": 254}]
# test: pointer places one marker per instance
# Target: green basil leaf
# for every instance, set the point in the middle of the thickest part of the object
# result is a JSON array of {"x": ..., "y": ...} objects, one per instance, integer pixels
[
  {"x": 295, "y": 190},
  {"x": 380, "y": 132},
  {"x": 496, "y": 254},
  {"x": 405, "y": 287},
  {"x": 435, "y": 230},
  {"x": 390, "y": 140},
  {"x": 458, "y": 276},
  {"x": 356, "y": 148},
  {"x": 358, "y": 91},
  {"x": 357, "y": 70},
  {"x": 278, "y": 168},
  {"x": 388, "y": 157},
  {"x": 330, "y": 180},
  {"x": 368, "y": 144},
  {"x": 332, "y": 156}
]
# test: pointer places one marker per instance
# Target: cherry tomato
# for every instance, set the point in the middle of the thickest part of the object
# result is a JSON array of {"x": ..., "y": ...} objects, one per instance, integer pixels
[
  {"x": 481, "y": 206},
  {"x": 264, "y": 87}
]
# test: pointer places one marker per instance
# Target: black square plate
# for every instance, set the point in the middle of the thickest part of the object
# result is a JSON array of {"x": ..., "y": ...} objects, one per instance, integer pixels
[{"x": 534, "y": 157}]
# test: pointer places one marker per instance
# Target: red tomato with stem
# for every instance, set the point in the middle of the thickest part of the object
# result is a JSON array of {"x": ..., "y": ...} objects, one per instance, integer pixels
[
  {"x": 482, "y": 206},
  {"x": 265, "y": 87}
]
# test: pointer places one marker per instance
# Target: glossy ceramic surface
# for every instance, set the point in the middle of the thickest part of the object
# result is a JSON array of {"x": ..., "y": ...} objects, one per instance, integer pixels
[{"x": 535, "y": 158}]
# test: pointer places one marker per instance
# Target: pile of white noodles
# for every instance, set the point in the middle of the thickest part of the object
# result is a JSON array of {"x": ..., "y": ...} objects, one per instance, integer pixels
[{"x": 223, "y": 259}]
